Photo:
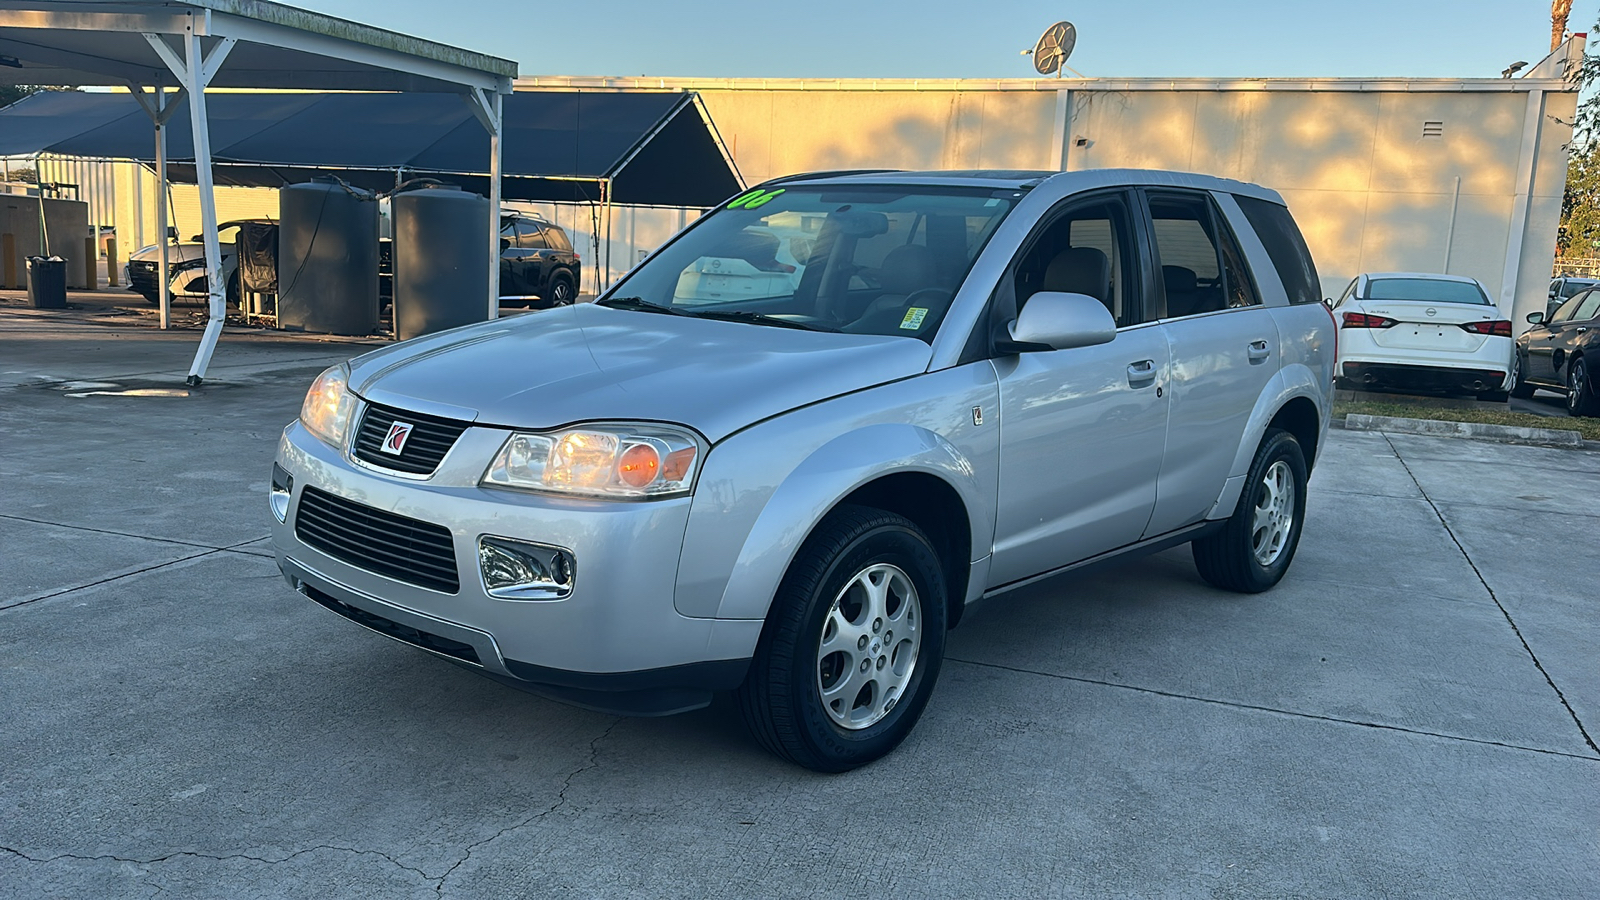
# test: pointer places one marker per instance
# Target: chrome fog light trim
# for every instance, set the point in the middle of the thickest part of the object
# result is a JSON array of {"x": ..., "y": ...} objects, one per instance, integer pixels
[
  {"x": 520, "y": 570},
  {"x": 282, "y": 489}
]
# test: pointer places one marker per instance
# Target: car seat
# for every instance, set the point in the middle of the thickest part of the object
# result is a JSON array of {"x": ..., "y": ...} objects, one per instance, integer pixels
[
  {"x": 1080, "y": 270},
  {"x": 1184, "y": 297}
]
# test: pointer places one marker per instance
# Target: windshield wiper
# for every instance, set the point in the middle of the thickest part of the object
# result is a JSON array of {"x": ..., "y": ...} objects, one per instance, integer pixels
[
  {"x": 639, "y": 304},
  {"x": 755, "y": 318}
]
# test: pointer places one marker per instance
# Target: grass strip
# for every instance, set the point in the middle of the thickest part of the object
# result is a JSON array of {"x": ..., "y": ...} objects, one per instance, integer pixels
[{"x": 1589, "y": 428}]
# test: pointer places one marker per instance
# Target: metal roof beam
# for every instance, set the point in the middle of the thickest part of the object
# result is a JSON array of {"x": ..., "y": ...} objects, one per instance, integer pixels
[
  {"x": 116, "y": 70},
  {"x": 273, "y": 35},
  {"x": 62, "y": 17}
]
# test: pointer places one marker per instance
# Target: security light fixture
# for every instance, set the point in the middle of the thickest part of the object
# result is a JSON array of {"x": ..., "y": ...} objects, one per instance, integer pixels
[{"x": 1514, "y": 68}]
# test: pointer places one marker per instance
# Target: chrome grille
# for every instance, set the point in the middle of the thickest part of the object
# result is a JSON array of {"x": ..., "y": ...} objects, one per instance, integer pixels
[
  {"x": 386, "y": 544},
  {"x": 431, "y": 438}
]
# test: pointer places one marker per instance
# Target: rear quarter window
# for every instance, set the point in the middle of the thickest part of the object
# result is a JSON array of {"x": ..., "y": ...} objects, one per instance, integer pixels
[{"x": 1285, "y": 246}]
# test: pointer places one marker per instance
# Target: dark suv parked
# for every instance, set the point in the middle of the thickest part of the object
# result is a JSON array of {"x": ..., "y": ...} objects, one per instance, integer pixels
[{"x": 537, "y": 263}]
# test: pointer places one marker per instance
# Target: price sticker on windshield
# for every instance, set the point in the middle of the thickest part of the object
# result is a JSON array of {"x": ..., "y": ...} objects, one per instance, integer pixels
[
  {"x": 913, "y": 319},
  {"x": 754, "y": 199}
]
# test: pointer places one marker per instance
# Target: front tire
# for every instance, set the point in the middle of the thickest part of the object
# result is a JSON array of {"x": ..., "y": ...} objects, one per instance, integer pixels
[
  {"x": 852, "y": 645},
  {"x": 1253, "y": 550},
  {"x": 1581, "y": 400}
]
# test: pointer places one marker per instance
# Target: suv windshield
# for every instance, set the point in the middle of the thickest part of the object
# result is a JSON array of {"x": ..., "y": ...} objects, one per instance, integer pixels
[
  {"x": 863, "y": 260},
  {"x": 1428, "y": 290}
]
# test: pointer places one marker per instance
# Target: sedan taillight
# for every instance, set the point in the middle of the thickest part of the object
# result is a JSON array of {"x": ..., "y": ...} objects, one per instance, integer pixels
[
  {"x": 1362, "y": 320},
  {"x": 1497, "y": 328}
]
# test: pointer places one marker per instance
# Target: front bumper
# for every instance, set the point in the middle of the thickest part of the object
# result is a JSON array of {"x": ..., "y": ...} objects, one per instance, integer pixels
[{"x": 616, "y": 643}]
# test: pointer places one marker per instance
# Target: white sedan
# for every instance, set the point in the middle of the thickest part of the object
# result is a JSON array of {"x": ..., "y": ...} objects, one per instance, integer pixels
[{"x": 1424, "y": 332}]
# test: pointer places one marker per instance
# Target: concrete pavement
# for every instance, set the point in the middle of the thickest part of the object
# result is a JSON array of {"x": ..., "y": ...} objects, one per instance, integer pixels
[{"x": 1412, "y": 713}]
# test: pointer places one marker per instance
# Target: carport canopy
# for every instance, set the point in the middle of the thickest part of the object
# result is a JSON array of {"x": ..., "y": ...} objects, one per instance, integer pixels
[
  {"x": 640, "y": 149},
  {"x": 195, "y": 44}
]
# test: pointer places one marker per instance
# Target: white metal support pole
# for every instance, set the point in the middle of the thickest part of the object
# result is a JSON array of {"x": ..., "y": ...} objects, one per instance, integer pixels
[
  {"x": 494, "y": 203},
  {"x": 606, "y": 190},
  {"x": 195, "y": 71},
  {"x": 218, "y": 299},
  {"x": 164, "y": 266},
  {"x": 486, "y": 107}
]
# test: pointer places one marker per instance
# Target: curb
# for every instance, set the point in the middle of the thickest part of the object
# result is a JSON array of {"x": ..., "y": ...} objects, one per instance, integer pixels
[{"x": 1511, "y": 434}]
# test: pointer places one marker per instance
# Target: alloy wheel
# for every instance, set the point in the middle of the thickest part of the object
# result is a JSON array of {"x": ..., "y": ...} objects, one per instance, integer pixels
[
  {"x": 1274, "y": 513},
  {"x": 869, "y": 644}
]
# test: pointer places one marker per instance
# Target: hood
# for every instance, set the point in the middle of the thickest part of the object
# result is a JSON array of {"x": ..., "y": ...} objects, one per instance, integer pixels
[
  {"x": 590, "y": 363},
  {"x": 175, "y": 252}
]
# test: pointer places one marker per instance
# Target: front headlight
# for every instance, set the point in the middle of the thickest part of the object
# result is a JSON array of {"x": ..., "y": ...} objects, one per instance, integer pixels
[
  {"x": 326, "y": 411},
  {"x": 623, "y": 461}
]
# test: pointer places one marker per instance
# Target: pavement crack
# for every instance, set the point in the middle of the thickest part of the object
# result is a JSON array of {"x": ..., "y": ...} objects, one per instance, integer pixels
[
  {"x": 1234, "y": 704},
  {"x": 561, "y": 800},
  {"x": 215, "y": 857},
  {"x": 107, "y": 580},
  {"x": 1587, "y": 739},
  {"x": 143, "y": 537}
]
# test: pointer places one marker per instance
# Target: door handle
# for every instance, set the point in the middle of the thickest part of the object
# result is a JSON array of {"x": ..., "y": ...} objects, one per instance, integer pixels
[
  {"x": 1259, "y": 351},
  {"x": 1583, "y": 330},
  {"x": 1142, "y": 371}
]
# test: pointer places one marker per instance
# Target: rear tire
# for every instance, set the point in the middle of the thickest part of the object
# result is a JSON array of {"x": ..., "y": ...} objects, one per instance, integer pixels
[
  {"x": 1520, "y": 388},
  {"x": 832, "y": 685},
  {"x": 1581, "y": 400},
  {"x": 1253, "y": 550},
  {"x": 561, "y": 291}
]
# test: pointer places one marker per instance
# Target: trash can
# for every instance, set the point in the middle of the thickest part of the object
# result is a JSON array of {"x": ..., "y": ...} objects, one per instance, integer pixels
[{"x": 47, "y": 282}]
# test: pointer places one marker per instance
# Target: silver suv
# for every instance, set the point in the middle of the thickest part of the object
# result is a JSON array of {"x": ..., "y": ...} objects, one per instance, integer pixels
[{"x": 787, "y": 452}]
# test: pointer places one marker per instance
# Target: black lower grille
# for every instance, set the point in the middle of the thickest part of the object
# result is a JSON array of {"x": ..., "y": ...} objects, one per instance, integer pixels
[
  {"x": 413, "y": 636},
  {"x": 143, "y": 277},
  {"x": 408, "y": 550},
  {"x": 429, "y": 440}
]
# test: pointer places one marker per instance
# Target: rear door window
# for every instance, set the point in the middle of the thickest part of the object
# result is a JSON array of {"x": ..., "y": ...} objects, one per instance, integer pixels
[
  {"x": 1202, "y": 269},
  {"x": 557, "y": 239}
]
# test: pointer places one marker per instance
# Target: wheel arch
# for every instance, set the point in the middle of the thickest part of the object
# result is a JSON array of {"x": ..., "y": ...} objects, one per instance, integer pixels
[
  {"x": 936, "y": 508},
  {"x": 900, "y": 468},
  {"x": 1294, "y": 400}
]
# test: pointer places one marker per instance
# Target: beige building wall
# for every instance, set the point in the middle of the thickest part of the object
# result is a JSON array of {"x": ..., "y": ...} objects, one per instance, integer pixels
[{"x": 1397, "y": 174}]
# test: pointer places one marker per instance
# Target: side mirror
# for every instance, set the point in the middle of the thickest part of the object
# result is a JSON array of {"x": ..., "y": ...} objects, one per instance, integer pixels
[
  {"x": 505, "y": 244},
  {"x": 1536, "y": 318},
  {"x": 1059, "y": 321}
]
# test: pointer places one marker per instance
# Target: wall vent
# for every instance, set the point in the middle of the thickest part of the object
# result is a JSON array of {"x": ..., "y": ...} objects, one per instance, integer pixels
[{"x": 1433, "y": 129}]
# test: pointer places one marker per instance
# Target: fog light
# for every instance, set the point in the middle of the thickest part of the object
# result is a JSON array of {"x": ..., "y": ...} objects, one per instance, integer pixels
[
  {"x": 282, "y": 488},
  {"x": 518, "y": 570}
]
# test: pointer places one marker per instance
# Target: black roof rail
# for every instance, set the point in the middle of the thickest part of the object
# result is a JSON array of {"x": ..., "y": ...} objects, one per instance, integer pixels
[{"x": 826, "y": 173}]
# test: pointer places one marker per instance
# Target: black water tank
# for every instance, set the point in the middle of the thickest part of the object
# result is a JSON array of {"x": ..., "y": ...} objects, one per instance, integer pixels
[
  {"x": 441, "y": 265},
  {"x": 327, "y": 258}
]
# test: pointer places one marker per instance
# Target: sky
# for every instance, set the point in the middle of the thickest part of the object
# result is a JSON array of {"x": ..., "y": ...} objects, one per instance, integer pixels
[{"x": 977, "y": 39}]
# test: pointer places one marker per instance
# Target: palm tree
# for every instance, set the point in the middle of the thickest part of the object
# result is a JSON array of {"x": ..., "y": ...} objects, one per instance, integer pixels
[{"x": 1559, "y": 10}]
